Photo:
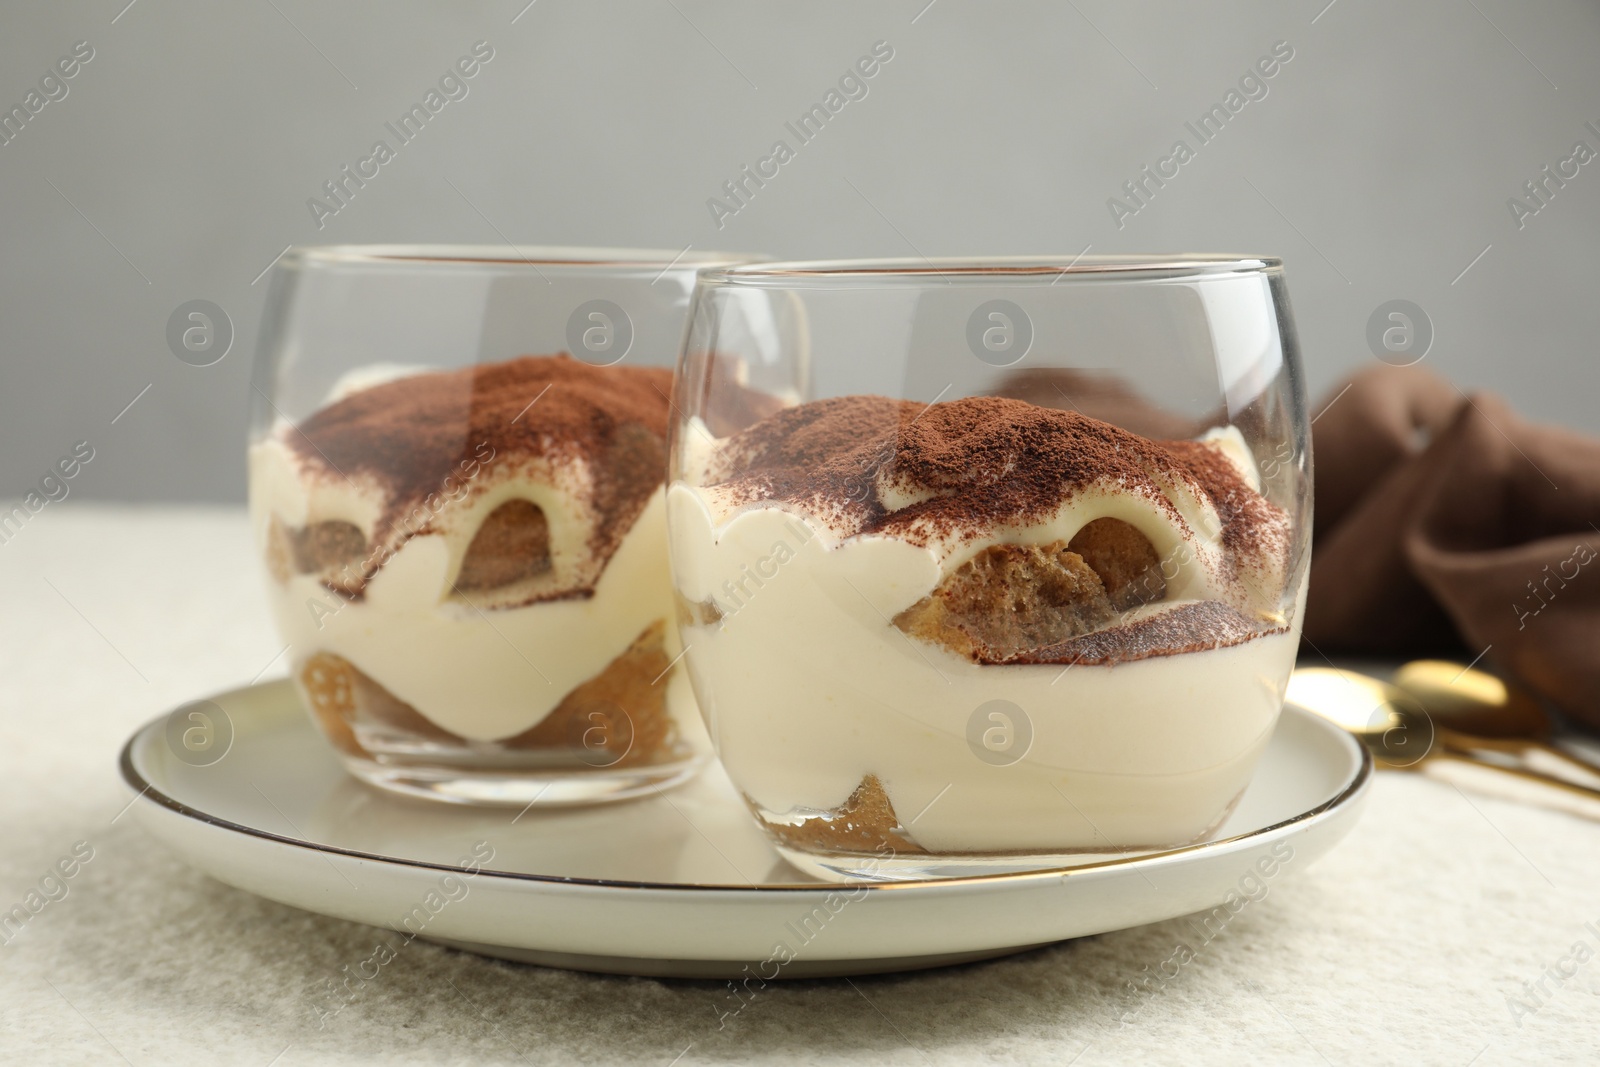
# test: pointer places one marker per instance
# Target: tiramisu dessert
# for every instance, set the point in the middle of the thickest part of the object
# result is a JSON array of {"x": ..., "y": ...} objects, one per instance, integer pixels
[
  {"x": 981, "y": 626},
  {"x": 470, "y": 568}
]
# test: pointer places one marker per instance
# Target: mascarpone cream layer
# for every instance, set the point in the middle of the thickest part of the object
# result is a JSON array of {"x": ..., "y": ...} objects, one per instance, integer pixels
[
  {"x": 806, "y": 686},
  {"x": 478, "y": 668}
]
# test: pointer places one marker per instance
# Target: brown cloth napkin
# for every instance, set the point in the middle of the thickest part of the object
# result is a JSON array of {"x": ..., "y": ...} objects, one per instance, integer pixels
[{"x": 1443, "y": 519}]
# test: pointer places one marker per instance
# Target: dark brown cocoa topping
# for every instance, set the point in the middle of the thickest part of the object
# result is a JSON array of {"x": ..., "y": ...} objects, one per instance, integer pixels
[
  {"x": 1249, "y": 520},
  {"x": 1192, "y": 627},
  {"x": 511, "y": 545},
  {"x": 986, "y": 461},
  {"x": 823, "y": 455},
  {"x": 428, "y": 437}
]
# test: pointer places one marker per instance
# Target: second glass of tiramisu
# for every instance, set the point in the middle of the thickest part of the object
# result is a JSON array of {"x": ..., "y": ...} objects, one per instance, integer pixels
[
  {"x": 989, "y": 565},
  {"x": 457, "y": 473}
]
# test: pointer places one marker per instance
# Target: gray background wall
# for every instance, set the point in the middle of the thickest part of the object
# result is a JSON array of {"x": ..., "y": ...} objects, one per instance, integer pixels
[{"x": 179, "y": 164}]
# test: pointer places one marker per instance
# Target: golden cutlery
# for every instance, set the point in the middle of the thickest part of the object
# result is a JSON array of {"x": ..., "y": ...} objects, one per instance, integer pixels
[{"x": 1402, "y": 732}]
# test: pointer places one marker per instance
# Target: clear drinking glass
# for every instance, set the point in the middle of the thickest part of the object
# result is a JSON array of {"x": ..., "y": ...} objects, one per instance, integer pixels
[
  {"x": 457, "y": 467},
  {"x": 989, "y": 565}
]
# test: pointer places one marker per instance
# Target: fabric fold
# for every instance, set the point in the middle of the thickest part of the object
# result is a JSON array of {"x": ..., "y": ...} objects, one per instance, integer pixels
[{"x": 1445, "y": 524}]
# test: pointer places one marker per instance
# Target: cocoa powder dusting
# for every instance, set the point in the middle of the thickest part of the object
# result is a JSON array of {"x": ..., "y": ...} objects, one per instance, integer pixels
[
  {"x": 975, "y": 464},
  {"x": 413, "y": 434},
  {"x": 987, "y": 461}
]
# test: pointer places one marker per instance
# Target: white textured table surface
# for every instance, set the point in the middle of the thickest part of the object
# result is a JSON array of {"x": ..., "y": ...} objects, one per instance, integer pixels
[{"x": 1410, "y": 943}]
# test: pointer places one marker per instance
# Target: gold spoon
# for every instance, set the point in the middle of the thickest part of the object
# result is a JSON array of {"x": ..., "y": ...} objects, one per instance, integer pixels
[
  {"x": 1471, "y": 700},
  {"x": 1396, "y": 728},
  {"x": 1396, "y": 731},
  {"x": 1480, "y": 713}
]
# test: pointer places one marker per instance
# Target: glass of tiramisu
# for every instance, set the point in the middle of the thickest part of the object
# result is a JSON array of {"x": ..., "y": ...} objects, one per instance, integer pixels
[
  {"x": 457, "y": 480},
  {"x": 989, "y": 565}
]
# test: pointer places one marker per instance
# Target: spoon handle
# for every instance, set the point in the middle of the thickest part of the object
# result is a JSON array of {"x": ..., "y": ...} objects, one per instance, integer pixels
[
  {"x": 1536, "y": 756},
  {"x": 1514, "y": 783}
]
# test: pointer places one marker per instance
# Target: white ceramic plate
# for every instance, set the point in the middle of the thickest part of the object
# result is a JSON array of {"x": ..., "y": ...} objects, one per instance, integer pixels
[{"x": 682, "y": 883}]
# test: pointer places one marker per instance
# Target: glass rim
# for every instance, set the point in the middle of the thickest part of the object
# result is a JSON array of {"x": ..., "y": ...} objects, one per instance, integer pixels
[
  {"x": 509, "y": 256},
  {"x": 984, "y": 268}
]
